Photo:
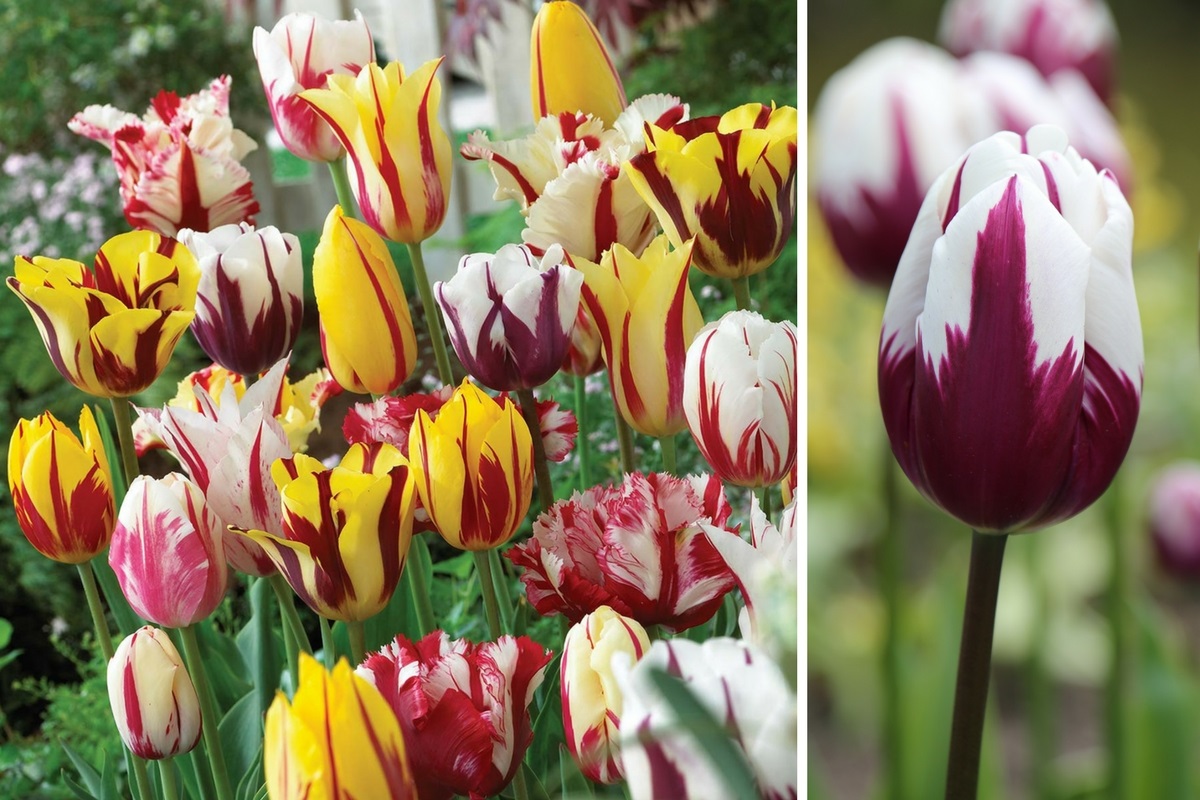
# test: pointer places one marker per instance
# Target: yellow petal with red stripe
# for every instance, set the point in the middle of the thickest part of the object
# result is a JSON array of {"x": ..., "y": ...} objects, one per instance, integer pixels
[{"x": 569, "y": 66}]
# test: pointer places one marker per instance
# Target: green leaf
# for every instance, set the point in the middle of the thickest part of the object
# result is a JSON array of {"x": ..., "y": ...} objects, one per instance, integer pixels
[
  {"x": 108, "y": 780},
  {"x": 548, "y": 726},
  {"x": 223, "y": 661},
  {"x": 260, "y": 644},
  {"x": 572, "y": 782},
  {"x": 242, "y": 738},
  {"x": 87, "y": 773},
  {"x": 73, "y": 785}
]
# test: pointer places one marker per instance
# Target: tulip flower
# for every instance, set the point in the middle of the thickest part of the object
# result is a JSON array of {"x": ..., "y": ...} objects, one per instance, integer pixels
[
  {"x": 399, "y": 155},
  {"x": 167, "y": 552},
  {"x": 250, "y": 300},
  {"x": 299, "y": 53},
  {"x": 473, "y": 466},
  {"x": 336, "y": 739},
  {"x": 346, "y": 530},
  {"x": 180, "y": 164},
  {"x": 1174, "y": 519},
  {"x": 62, "y": 487},
  {"x": 153, "y": 700},
  {"x": 739, "y": 394},
  {"x": 591, "y": 697},
  {"x": 570, "y": 69},
  {"x": 510, "y": 315},
  {"x": 647, "y": 317},
  {"x": 367, "y": 332},
  {"x": 637, "y": 547},
  {"x": 1010, "y": 364},
  {"x": 463, "y": 707},
  {"x": 111, "y": 331}
]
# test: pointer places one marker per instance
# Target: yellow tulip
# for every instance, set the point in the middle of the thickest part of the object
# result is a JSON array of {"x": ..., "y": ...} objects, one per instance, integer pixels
[{"x": 569, "y": 66}]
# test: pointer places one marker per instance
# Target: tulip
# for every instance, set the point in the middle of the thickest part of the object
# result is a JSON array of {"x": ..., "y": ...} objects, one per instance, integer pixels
[
  {"x": 299, "y": 53},
  {"x": 167, "y": 552},
  {"x": 346, "y": 530},
  {"x": 62, "y": 487},
  {"x": 728, "y": 182},
  {"x": 250, "y": 300},
  {"x": 1010, "y": 365},
  {"x": 647, "y": 317},
  {"x": 637, "y": 547},
  {"x": 111, "y": 331},
  {"x": 1174, "y": 518},
  {"x": 463, "y": 707},
  {"x": 180, "y": 164},
  {"x": 510, "y": 315},
  {"x": 153, "y": 700},
  {"x": 739, "y": 394},
  {"x": 591, "y": 697},
  {"x": 569, "y": 67},
  {"x": 399, "y": 155},
  {"x": 336, "y": 739}
]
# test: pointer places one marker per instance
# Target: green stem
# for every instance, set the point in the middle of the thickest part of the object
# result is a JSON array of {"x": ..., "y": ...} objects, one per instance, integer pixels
[
  {"x": 358, "y": 641},
  {"x": 487, "y": 588},
  {"x": 1118, "y": 675},
  {"x": 422, "y": 601},
  {"x": 329, "y": 653},
  {"x": 287, "y": 607},
  {"x": 667, "y": 443},
  {"x": 502, "y": 580},
  {"x": 519, "y": 787},
  {"x": 624, "y": 440},
  {"x": 1041, "y": 690},
  {"x": 341, "y": 185},
  {"x": 211, "y": 718},
  {"x": 120, "y": 407},
  {"x": 891, "y": 574},
  {"x": 166, "y": 771},
  {"x": 541, "y": 465},
  {"x": 433, "y": 320},
  {"x": 581, "y": 438},
  {"x": 764, "y": 504},
  {"x": 267, "y": 677},
  {"x": 741, "y": 293}
]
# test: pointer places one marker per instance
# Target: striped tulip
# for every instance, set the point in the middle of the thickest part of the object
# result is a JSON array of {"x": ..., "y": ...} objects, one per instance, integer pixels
[
  {"x": 367, "y": 332},
  {"x": 153, "y": 700},
  {"x": 591, "y": 697},
  {"x": 346, "y": 530},
  {"x": 337, "y": 739},
  {"x": 298, "y": 54},
  {"x": 1010, "y": 363},
  {"x": 510, "y": 315},
  {"x": 110, "y": 331},
  {"x": 473, "y": 466},
  {"x": 647, "y": 317},
  {"x": 570, "y": 69},
  {"x": 62, "y": 487},
  {"x": 250, "y": 300},
  {"x": 739, "y": 395},
  {"x": 730, "y": 182},
  {"x": 167, "y": 552},
  {"x": 1174, "y": 519},
  {"x": 399, "y": 155}
]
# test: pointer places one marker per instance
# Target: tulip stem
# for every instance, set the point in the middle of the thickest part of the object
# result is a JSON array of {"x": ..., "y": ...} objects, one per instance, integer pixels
[
  {"x": 624, "y": 440},
  {"x": 974, "y": 665},
  {"x": 1118, "y": 674},
  {"x": 541, "y": 466},
  {"x": 120, "y": 407},
  {"x": 667, "y": 443},
  {"x": 581, "y": 437},
  {"x": 358, "y": 641},
  {"x": 287, "y": 607},
  {"x": 764, "y": 504},
  {"x": 891, "y": 572},
  {"x": 328, "y": 651},
  {"x": 420, "y": 590},
  {"x": 741, "y": 292},
  {"x": 341, "y": 185},
  {"x": 166, "y": 771},
  {"x": 487, "y": 588},
  {"x": 211, "y": 719},
  {"x": 519, "y": 787},
  {"x": 433, "y": 322}
]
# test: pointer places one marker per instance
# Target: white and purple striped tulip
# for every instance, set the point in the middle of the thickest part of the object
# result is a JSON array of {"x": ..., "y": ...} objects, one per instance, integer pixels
[
  {"x": 1174, "y": 519},
  {"x": 1010, "y": 364},
  {"x": 510, "y": 315},
  {"x": 153, "y": 700},
  {"x": 250, "y": 301}
]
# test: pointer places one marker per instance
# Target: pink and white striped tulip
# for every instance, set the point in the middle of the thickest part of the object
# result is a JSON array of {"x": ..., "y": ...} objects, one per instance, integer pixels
[
  {"x": 152, "y": 697},
  {"x": 299, "y": 53},
  {"x": 1010, "y": 363},
  {"x": 1174, "y": 519},
  {"x": 250, "y": 301},
  {"x": 167, "y": 551}
]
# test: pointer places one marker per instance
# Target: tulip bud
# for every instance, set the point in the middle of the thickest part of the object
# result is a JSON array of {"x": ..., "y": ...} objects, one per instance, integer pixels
[
  {"x": 153, "y": 700},
  {"x": 569, "y": 66},
  {"x": 1174, "y": 517}
]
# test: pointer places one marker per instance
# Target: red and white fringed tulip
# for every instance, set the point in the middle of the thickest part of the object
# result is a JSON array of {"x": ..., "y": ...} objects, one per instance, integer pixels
[
  {"x": 1174, "y": 519},
  {"x": 636, "y": 547},
  {"x": 167, "y": 552},
  {"x": 739, "y": 395},
  {"x": 153, "y": 700},
  {"x": 299, "y": 53},
  {"x": 1010, "y": 364},
  {"x": 463, "y": 708}
]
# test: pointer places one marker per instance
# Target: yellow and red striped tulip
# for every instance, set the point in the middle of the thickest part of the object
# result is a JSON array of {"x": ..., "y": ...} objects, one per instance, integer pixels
[
  {"x": 62, "y": 487},
  {"x": 647, "y": 317},
  {"x": 473, "y": 466},
  {"x": 110, "y": 331},
  {"x": 153, "y": 699},
  {"x": 570, "y": 69},
  {"x": 367, "y": 332},
  {"x": 337, "y": 739},
  {"x": 399, "y": 155}
]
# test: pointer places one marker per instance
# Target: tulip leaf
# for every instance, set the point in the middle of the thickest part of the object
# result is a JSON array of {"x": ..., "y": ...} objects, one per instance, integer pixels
[
  {"x": 242, "y": 736},
  {"x": 548, "y": 726},
  {"x": 573, "y": 783},
  {"x": 73, "y": 785},
  {"x": 108, "y": 781},
  {"x": 224, "y": 664},
  {"x": 127, "y": 621},
  {"x": 87, "y": 773},
  {"x": 260, "y": 643}
]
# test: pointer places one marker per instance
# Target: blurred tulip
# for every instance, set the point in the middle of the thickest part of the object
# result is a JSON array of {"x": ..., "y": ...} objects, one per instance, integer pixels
[
  {"x": 250, "y": 300},
  {"x": 1174, "y": 517},
  {"x": 110, "y": 331},
  {"x": 584, "y": 355},
  {"x": 570, "y": 69},
  {"x": 399, "y": 155},
  {"x": 153, "y": 700},
  {"x": 1010, "y": 365},
  {"x": 367, "y": 332},
  {"x": 463, "y": 707},
  {"x": 62, "y": 487},
  {"x": 167, "y": 552},
  {"x": 299, "y": 53},
  {"x": 591, "y": 697},
  {"x": 336, "y": 740}
]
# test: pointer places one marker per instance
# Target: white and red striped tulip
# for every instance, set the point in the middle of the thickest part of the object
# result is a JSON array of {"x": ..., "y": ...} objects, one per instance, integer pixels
[
  {"x": 739, "y": 395},
  {"x": 167, "y": 551},
  {"x": 1010, "y": 364},
  {"x": 299, "y": 53},
  {"x": 152, "y": 697}
]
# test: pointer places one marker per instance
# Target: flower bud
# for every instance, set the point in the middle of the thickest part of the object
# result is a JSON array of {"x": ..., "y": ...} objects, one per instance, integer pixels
[
  {"x": 569, "y": 66},
  {"x": 1174, "y": 511},
  {"x": 153, "y": 700}
]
